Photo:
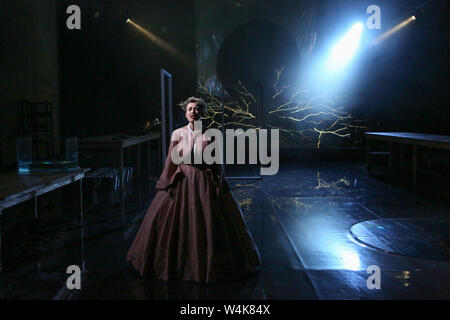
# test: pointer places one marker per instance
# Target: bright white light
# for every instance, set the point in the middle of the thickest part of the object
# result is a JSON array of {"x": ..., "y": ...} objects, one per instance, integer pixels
[
  {"x": 345, "y": 49},
  {"x": 350, "y": 260}
]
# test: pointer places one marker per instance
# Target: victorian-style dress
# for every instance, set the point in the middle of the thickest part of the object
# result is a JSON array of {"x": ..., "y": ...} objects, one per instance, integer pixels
[{"x": 194, "y": 229}]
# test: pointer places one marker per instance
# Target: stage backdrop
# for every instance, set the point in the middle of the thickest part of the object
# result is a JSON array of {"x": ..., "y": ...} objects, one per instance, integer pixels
[{"x": 261, "y": 61}]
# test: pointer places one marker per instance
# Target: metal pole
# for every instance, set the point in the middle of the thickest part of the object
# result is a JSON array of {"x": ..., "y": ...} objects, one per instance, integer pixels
[
  {"x": 83, "y": 263},
  {"x": 163, "y": 116},
  {"x": 165, "y": 74},
  {"x": 170, "y": 108}
]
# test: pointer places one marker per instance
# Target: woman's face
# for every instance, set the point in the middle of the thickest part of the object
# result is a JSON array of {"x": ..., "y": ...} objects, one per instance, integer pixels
[{"x": 193, "y": 112}]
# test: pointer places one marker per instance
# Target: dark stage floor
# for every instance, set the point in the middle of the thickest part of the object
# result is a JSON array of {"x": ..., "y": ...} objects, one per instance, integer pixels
[{"x": 318, "y": 227}]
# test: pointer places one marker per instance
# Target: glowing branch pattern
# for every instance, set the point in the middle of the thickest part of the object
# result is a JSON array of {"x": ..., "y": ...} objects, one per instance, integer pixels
[{"x": 300, "y": 117}]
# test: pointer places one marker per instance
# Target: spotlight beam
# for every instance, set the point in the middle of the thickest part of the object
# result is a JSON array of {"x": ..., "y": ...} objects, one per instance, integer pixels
[
  {"x": 345, "y": 49},
  {"x": 393, "y": 30},
  {"x": 161, "y": 43}
]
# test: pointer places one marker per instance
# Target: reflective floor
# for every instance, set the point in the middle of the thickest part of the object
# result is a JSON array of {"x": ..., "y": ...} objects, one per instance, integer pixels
[
  {"x": 318, "y": 227},
  {"x": 418, "y": 238}
]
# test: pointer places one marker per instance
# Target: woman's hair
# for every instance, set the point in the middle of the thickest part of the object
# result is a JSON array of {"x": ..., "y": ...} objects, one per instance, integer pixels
[{"x": 198, "y": 102}]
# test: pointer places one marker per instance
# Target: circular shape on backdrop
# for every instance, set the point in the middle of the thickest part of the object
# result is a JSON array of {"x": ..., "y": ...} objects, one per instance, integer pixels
[
  {"x": 252, "y": 52},
  {"x": 424, "y": 239}
]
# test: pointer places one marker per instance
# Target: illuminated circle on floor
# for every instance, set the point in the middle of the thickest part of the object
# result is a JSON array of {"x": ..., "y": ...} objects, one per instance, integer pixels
[{"x": 423, "y": 239}]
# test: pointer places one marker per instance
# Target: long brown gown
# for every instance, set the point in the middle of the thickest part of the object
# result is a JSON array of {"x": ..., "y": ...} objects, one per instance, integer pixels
[{"x": 194, "y": 229}]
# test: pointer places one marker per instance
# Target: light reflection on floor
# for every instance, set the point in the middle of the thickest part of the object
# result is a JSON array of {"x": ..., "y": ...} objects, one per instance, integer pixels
[{"x": 300, "y": 220}]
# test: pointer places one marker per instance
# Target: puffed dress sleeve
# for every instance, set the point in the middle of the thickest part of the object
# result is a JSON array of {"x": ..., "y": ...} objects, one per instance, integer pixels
[{"x": 171, "y": 172}]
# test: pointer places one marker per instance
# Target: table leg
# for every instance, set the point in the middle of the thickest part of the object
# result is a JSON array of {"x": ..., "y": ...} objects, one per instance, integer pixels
[
  {"x": 391, "y": 160},
  {"x": 81, "y": 201},
  {"x": 367, "y": 155},
  {"x": 35, "y": 208},
  {"x": 138, "y": 164},
  {"x": 149, "y": 158},
  {"x": 401, "y": 156},
  {"x": 139, "y": 174},
  {"x": 83, "y": 264},
  {"x": 0, "y": 240},
  {"x": 121, "y": 184},
  {"x": 430, "y": 158},
  {"x": 414, "y": 166}
]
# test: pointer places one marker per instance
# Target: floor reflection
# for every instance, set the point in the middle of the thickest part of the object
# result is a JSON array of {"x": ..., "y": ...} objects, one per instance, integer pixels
[
  {"x": 130, "y": 285},
  {"x": 425, "y": 239},
  {"x": 302, "y": 221}
]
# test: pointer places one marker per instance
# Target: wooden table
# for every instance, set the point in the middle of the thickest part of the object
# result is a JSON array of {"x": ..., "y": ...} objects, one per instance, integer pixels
[
  {"x": 16, "y": 188},
  {"x": 416, "y": 140},
  {"x": 117, "y": 143}
]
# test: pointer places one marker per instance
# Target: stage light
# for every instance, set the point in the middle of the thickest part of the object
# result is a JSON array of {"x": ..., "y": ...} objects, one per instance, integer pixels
[
  {"x": 163, "y": 44},
  {"x": 393, "y": 30},
  {"x": 345, "y": 49}
]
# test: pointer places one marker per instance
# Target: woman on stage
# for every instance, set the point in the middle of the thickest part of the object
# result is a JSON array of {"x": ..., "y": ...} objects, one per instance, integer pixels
[{"x": 194, "y": 229}]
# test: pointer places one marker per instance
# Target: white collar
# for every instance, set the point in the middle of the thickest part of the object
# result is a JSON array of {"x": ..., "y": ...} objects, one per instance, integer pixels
[{"x": 192, "y": 131}]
